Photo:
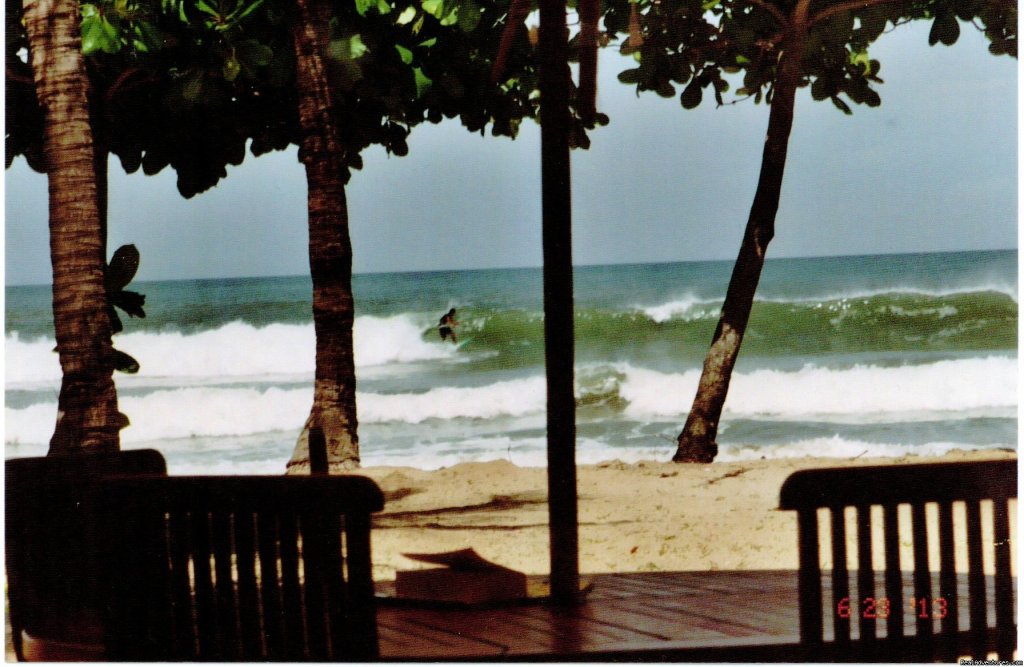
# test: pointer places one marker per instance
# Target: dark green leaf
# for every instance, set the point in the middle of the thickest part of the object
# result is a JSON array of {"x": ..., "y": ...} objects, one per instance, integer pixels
[
  {"x": 945, "y": 29},
  {"x": 469, "y": 15},
  {"x": 204, "y": 7},
  {"x": 124, "y": 362},
  {"x": 231, "y": 68},
  {"x": 841, "y": 105},
  {"x": 147, "y": 37},
  {"x": 252, "y": 54},
  {"x": 123, "y": 266},
  {"x": 433, "y": 7},
  {"x": 692, "y": 95},
  {"x": 242, "y": 11},
  {"x": 130, "y": 302},
  {"x": 193, "y": 88},
  {"x": 404, "y": 53},
  {"x": 131, "y": 160},
  {"x": 821, "y": 89},
  {"x": 423, "y": 82},
  {"x": 347, "y": 48},
  {"x": 153, "y": 162},
  {"x": 630, "y": 76},
  {"x": 452, "y": 86},
  {"x": 862, "y": 60},
  {"x": 99, "y": 35},
  {"x": 407, "y": 15},
  {"x": 873, "y": 22}
]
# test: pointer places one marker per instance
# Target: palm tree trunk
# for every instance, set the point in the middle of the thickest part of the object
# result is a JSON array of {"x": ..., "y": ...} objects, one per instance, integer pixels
[
  {"x": 330, "y": 249},
  {"x": 87, "y": 415},
  {"x": 697, "y": 439}
]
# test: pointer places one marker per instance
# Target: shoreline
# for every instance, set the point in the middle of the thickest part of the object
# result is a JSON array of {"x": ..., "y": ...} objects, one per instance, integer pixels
[{"x": 633, "y": 517}]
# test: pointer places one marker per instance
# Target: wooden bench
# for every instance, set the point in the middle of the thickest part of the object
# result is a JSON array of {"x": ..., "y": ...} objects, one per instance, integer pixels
[
  {"x": 946, "y": 621},
  {"x": 239, "y": 568},
  {"x": 50, "y": 574}
]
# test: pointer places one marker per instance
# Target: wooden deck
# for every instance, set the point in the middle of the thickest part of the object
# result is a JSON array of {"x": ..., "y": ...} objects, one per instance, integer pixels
[
  {"x": 701, "y": 616},
  {"x": 621, "y": 612}
]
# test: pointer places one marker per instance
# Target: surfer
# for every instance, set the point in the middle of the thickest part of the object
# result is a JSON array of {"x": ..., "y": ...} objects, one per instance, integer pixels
[{"x": 446, "y": 326}]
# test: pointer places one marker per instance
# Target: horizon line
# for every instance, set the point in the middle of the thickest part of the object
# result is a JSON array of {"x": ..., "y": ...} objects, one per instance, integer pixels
[{"x": 536, "y": 267}]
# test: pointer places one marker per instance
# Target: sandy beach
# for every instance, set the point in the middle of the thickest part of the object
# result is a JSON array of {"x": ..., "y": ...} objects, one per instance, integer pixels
[{"x": 647, "y": 516}]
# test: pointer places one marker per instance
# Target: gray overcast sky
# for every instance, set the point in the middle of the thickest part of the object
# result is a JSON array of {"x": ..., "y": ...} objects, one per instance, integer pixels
[{"x": 934, "y": 168}]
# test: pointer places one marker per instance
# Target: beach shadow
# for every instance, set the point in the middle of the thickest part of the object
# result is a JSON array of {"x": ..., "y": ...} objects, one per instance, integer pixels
[
  {"x": 398, "y": 494},
  {"x": 432, "y": 517},
  {"x": 497, "y": 503}
]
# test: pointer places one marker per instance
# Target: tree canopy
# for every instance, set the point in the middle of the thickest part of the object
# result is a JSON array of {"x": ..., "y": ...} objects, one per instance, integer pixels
[
  {"x": 191, "y": 83},
  {"x": 706, "y": 45}
]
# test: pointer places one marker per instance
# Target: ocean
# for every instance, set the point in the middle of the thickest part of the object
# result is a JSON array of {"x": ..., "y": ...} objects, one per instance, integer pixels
[{"x": 844, "y": 356}]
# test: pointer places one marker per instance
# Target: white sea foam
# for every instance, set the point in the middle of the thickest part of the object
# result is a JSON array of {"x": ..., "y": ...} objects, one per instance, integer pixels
[
  {"x": 957, "y": 389},
  {"x": 977, "y": 386},
  {"x": 687, "y": 307},
  {"x": 690, "y": 307},
  {"x": 269, "y": 455},
  {"x": 28, "y": 363},
  {"x": 837, "y": 447},
  {"x": 398, "y": 339},
  {"x": 999, "y": 287},
  {"x": 511, "y": 398},
  {"x": 233, "y": 351},
  {"x": 210, "y": 412},
  {"x": 533, "y": 452}
]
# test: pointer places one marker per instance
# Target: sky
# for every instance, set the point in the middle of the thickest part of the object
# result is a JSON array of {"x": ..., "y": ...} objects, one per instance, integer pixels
[{"x": 933, "y": 169}]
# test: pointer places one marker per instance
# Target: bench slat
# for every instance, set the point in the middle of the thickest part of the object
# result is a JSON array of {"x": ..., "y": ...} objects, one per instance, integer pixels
[
  {"x": 893, "y": 574},
  {"x": 865, "y": 572},
  {"x": 1004, "y": 580},
  {"x": 251, "y": 646},
  {"x": 918, "y": 485},
  {"x": 922, "y": 577},
  {"x": 976, "y": 579},
  {"x": 255, "y": 568},
  {"x": 840, "y": 575}
]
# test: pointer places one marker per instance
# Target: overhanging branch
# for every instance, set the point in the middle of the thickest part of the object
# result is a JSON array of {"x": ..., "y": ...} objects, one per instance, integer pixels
[
  {"x": 845, "y": 7},
  {"x": 776, "y": 13}
]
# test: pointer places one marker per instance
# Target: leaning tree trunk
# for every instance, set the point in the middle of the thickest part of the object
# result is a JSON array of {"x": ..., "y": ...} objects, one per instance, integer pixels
[
  {"x": 330, "y": 249},
  {"x": 87, "y": 414},
  {"x": 697, "y": 440}
]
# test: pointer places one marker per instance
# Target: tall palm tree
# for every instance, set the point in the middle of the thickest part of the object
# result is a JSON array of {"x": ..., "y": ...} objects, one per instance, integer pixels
[
  {"x": 697, "y": 439},
  {"x": 87, "y": 414},
  {"x": 330, "y": 247}
]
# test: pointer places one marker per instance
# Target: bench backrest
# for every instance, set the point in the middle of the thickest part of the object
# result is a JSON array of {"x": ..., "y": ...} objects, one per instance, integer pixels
[
  {"x": 50, "y": 576},
  {"x": 240, "y": 568},
  {"x": 925, "y": 497}
]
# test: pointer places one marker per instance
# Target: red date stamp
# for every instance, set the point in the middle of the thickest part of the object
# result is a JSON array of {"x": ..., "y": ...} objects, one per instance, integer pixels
[{"x": 882, "y": 608}]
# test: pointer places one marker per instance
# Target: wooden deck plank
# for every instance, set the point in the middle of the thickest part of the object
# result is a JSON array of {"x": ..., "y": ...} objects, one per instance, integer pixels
[
  {"x": 687, "y": 621},
  {"x": 429, "y": 633},
  {"x": 651, "y": 609},
  {"x": 621, "y": 609},
  {"x": 562, "y": 633},
  {"x": 550, "y": 621},
  {"x": 620, "y": 587},
  {"x": 747, "y": 619}
]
